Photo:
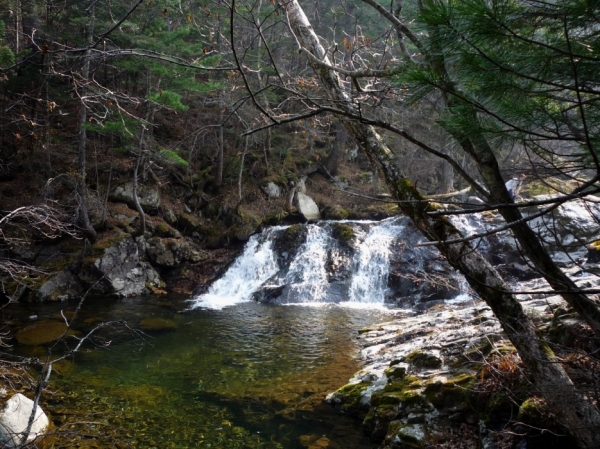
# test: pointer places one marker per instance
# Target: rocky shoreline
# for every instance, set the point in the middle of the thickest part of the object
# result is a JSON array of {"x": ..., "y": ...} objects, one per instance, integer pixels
[{"x": 449, "y": 377}]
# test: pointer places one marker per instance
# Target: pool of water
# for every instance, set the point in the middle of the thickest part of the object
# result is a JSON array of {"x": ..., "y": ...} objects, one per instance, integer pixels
[{"x": 247, "y": 376}]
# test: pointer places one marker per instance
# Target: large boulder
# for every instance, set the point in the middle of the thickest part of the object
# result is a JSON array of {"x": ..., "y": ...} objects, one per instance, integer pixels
[
  {"x": 15, "y": 418},
  {"x": 149, "y": 197},
  {"x": 307, "y": 207},
  {"x": 121, "y": 268}
]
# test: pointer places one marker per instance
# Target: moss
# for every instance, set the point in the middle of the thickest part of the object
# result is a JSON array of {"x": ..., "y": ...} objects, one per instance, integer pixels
[
  {"x": 245, "y": 224},
  {"x": 454, "y": 392},
  {"x": 405, "y": 392},
  {"x": 421, "y": 359},
  {"x": 343, "y": 233},
  {"x": 276, "y": 217},
  {"x": 351, "y": 399},
  {"x": 103, "y": 244},
  {"x": 396, "y": 372},
  {"x": 188, "y": 223},
  {"x": 164, "y": 230},
  {"x": 275, "y": 178}
]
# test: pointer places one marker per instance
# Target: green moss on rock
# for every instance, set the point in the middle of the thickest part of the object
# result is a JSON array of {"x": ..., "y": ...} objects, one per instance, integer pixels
[
  {"x": 342, "y": 233},
  {"x": 351, "y": 400},
  {"x": 452, "y": 393}
]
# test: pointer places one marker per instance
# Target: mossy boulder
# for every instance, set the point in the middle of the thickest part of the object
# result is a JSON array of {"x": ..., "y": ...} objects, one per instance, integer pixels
[
  {"x": 170, "y": 253},
  {"x": 351, "y": 399},
  {"x": 334, "y": 212},
  {"x": 188, "y": 223},
  {"x": 245, "y": 224},
  {"x": 452, "y": 393},
  {"x": 60, "y": 287},
  {"x": 163, "y": 229},
  {"x": 343, "y": 233}
]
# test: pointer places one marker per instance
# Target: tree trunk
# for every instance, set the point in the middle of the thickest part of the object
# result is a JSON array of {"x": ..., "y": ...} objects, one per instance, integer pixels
[
  {"x": 82, "y": 212},
  {"x": 332, "y": 163},
  {"x": 553, "y": 383}
]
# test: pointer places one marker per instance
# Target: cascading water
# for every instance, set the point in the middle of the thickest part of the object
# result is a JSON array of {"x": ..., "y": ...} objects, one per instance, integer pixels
[
  {"x": 329, "y": 262},
  {"x": 253, "y": 267},
  {"x": 307, "y": 276},
  {"x": 371, "y": 263}
]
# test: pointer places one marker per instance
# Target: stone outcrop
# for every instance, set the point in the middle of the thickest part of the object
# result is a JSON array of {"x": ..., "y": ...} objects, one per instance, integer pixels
[
  {"x": 14, "y": 421},
  {"x": 120, "y": 268},
  {"x": 170, "y": 252},
  {"x": 149, "y": 197},
  {"x": 63, "y": 286}
]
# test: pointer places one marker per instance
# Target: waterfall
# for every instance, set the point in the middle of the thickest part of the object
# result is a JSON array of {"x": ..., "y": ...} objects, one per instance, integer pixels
[
  {"x": 252, "y": 268},
  {"x": 350, "y": 262},
  {"x": 371, "y": 263},
  {"x": 307, "y": 276}
]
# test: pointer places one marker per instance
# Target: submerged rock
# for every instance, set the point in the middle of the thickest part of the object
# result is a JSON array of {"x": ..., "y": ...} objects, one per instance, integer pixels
[{"x": 42, "y": 332}]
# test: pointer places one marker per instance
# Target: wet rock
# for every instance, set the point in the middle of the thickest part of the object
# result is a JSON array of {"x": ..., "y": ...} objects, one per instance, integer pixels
[
  {"x": 420, "y": 370},
  {"x": 268, "y": 293},
  {"x": 14, "y": 421}
]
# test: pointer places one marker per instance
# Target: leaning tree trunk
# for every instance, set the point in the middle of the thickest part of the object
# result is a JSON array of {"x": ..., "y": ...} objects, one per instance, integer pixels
[{"x": 553, "y": 383}]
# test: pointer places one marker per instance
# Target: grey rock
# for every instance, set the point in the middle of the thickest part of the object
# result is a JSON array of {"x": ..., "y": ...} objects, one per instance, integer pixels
[
  {"x": 272, "y": 190},
  {"x": 149, "y": 197},
  {"x": 171, "y": 253},
  {"x": 62, "y": 287},
  {"x": 122, "y": 270}
]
